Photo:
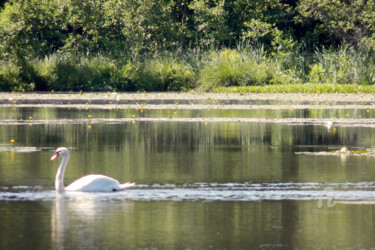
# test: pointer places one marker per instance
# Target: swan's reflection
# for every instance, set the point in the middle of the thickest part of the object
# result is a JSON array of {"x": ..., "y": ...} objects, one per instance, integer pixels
[
  {"x": 76, "y": 215},
  {"x": 59, "y": 222}
]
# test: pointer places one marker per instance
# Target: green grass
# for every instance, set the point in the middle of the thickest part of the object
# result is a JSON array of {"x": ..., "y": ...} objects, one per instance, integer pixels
[
  {"x": 166, "y": 73},
  {"x": 300, "y": 88},
  {"x": 239, "y": 68},
  {"x": 245, "y": 69}
]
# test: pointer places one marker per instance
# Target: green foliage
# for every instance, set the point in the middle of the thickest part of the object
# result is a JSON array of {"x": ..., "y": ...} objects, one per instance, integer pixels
[
  {"x": 10, "y": 79},
  {"x": 228, "y": 68},
  {"x": 97, "y": 73},
  {"x": 300, "y": 88},
  {"x": 54, "y": 44},
  {"x": 166, "y": 73},
  {"x": 233, "y": 68},
  {"x": 331, "y": 22},
  {"x": 343, "y": 66}
]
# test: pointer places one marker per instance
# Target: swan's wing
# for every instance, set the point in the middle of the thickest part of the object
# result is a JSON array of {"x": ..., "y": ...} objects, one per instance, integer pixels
[
  {"x": 126, "y": 185},
  {"x": 94, "y": 183}
]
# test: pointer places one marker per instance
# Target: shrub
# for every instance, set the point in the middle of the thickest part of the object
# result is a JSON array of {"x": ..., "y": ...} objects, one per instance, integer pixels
[
  {"x": 10, "y": 77},
  {"x": 86, "y": 73},
  {"x": 233, "y": 68},
  {"x": 165, "y": 73}
]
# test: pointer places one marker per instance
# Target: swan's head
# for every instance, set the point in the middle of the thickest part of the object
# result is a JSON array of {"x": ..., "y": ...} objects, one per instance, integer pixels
[{"x": 60, "y": 152}]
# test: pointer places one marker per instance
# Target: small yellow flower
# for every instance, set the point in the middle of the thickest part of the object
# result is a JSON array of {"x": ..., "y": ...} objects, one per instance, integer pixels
[
  {"x": 141, "y": 110},
  {"x": 133, "y": 116},
  {"x": 89, "y": 126},
  {"x": 367, "y": 111},
  {"x": 175, "y": 113},
  {"x": 12, "y": 141},
  {"x": 89, "y": 116},
  {"x": 133, "y": 122},
  {"x": 52, "y": 91},
  {"x": 205, "y": 123},
  {"x": 30, "y": 117}
]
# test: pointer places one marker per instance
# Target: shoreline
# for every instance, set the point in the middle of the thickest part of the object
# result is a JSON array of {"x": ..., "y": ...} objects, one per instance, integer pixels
[{"x": 292, "y": 97}]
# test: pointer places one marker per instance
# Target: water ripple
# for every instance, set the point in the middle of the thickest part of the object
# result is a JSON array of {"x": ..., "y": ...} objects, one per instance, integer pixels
[{"x": 209, "y": 192}]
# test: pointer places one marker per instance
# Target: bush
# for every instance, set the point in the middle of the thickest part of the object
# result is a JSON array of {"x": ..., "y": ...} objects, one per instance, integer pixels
[
  {"x": 97, "y": 73},
  {"x": 10, "y": 77},
  {"x": 166, "y": 73},
  {"x": 84, "y": 74},
  {"x": 233, "y": 68}
]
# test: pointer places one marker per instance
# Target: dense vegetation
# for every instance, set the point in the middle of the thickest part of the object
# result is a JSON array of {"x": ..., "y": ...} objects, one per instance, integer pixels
[{"x": 130, "y": 45}]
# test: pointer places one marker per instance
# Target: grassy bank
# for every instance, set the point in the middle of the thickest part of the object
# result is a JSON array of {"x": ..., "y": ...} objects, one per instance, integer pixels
[
  {"x": 300, "y": 88},
  {"x": 245, "y": 69}
]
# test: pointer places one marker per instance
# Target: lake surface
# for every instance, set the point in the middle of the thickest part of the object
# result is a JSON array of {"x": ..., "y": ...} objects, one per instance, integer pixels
[{"x": 200, "y": 184}]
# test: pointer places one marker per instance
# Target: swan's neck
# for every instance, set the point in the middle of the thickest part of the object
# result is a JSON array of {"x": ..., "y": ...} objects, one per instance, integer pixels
[{"x": 59, "y": 181}]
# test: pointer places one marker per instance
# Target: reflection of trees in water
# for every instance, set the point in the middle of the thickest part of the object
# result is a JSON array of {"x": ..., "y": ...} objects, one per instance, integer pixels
[
  {"x": 162, "y": 136},
  {"x": 182, "y": 136}
]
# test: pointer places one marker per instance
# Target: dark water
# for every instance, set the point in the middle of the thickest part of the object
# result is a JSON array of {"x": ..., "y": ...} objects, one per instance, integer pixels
[{"x": 199, "y": 186}]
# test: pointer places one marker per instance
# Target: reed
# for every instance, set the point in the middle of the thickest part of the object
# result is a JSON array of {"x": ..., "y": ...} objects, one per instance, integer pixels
[
  {"x": 245, "y": 68},
  {"x": 342, "y": 66}
]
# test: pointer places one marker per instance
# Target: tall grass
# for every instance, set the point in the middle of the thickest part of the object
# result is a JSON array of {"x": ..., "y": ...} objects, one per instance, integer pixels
[
  {"x": 239, "y": 68},
  {"x": 97, "y": 73},
  {"x": 245, "y": 67},
  {"x": 166, "y": 73},
  {"x": 343, "y": 66}
]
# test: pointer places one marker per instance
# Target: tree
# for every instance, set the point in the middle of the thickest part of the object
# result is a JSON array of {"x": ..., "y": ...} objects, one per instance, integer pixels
[{"x": 334, "y": 22}]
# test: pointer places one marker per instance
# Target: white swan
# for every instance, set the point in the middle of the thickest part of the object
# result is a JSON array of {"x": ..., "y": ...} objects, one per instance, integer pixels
[{"x": 88, "y": 183}]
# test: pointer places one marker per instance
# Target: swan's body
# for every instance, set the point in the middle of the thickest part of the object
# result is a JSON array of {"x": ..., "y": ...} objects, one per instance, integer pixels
[{"x": 88, "y": 183}]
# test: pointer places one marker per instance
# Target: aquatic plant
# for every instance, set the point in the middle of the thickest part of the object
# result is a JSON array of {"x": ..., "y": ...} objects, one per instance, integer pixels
[{"x": 300, "y": 88}]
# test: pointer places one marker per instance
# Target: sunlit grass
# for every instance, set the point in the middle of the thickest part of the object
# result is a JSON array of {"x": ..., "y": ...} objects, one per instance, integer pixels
[
  {"x": 243, "y": 69},
  {"x": 166, "y": 73},
  {"x": 300, "y": 88}
]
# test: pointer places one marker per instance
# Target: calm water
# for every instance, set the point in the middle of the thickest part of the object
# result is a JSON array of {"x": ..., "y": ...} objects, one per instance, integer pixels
[{"x": 218, "y": 185}]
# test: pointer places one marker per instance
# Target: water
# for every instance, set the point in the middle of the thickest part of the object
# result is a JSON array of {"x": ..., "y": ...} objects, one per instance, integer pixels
[{"x": 200, "y": 185}]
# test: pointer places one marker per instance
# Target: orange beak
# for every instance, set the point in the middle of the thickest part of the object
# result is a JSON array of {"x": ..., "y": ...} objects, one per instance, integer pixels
[{"x": 55, "y": 156}]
